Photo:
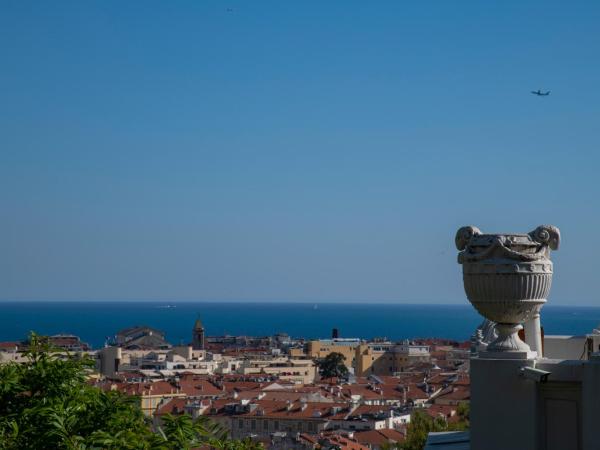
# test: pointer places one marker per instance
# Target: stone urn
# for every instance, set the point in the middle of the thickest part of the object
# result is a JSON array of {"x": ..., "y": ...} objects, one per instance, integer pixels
[{"x": 507, "y": 279}]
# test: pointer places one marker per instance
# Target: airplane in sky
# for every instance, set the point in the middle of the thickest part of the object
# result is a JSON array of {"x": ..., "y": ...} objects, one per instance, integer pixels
[{"x": 540, "y": 93}]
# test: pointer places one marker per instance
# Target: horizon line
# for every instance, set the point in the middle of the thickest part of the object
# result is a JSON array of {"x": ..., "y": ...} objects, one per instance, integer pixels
[{"x": 269, "y": 301}]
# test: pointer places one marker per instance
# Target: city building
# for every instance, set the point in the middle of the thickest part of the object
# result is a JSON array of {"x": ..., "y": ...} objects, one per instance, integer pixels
[
  {"x": 319, "y": 349},
  {"x": 68, "y": 342},
  {"x": 261, "y": 418},
  {"x": 387, "y": 358},
  {"x": 140, "y": 338},
  {"x": 258, "y": 387},
  {"x": 155, "y": 394},
  {"x": 301, "y": 371}
]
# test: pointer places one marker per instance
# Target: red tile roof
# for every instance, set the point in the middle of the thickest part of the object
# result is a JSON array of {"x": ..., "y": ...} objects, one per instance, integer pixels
[
  {"x": 378, "y": 437},
  {"x": 283, "y": 410},
  {"x": 440, "y": 410},
  {"x": 309, "y": 438},
  {"x": 230, "y": 386},
  {"x": 151, "y": 388},
  {"x": 393, "y": 435},
  {"x": 174, "y": 406},
  {"x": 371, "y": 409},
  {"x": 456, "y": 393},
  {"x": 199, "y": 387},
  {"x": 344, "y": 443},
  {"x": 9, "y": 345},
  {"x": 188, "y": 385}
]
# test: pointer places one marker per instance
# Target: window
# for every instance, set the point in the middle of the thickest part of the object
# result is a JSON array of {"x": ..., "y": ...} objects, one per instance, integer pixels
[
  {"x": 253, "y": 424},
  {"x": 276, "y": 425},
  {"x": 240, "y": 423}
]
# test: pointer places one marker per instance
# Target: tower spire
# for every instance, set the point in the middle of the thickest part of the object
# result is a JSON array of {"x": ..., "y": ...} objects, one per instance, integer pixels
[{"x": 198, "y": 335}]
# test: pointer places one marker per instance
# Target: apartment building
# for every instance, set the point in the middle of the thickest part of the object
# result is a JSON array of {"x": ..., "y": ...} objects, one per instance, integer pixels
[
  {"x": 262, "y": 418},
  {"x": 319, "y": 349},
  {"x": 387, "y": 358},
  {"x": 301, "y": 371}
]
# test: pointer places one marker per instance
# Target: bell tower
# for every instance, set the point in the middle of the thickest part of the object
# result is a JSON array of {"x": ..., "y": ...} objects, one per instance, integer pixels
[{"x": 198, "y": 335}]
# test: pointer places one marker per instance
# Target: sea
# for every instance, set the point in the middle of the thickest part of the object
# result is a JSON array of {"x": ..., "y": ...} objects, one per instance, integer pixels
[{"x": 95, "y": 321}]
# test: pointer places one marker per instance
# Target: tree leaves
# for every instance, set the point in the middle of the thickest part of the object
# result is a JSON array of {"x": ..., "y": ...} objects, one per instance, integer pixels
[
  {"x": 46, "y": 404},
  {"x": 421, "y": 425},
  {"x": 333, "y": 366}
]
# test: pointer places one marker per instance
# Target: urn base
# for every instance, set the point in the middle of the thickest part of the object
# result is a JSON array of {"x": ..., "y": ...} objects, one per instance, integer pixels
[{"x": 508, "y": 344}]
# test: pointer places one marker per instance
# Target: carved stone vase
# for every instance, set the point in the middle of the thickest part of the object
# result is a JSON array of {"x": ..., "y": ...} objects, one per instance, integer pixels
[{"x": 507, "y": 279}]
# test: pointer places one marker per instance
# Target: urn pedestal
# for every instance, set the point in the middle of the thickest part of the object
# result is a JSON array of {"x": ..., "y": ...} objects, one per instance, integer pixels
[{"x": 507, "y": 279}]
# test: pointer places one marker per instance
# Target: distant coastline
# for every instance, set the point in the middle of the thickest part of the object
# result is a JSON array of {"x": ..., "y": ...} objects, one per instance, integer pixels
[
  {"x": 174, "y": 302},
  {"x": 94, "y": 320}
]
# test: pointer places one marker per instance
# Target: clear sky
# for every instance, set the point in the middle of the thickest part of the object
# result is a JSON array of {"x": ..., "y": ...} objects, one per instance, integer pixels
[{"x": 291, "y": 150}]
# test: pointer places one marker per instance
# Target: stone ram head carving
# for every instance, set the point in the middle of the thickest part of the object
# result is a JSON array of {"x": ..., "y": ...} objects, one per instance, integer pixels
[
  {"x": 548, "y": 235},
  {"x": 464, "y": 235}
]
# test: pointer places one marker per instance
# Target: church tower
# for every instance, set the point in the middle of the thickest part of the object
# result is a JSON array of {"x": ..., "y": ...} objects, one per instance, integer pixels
[{"x": 198, "y": 335}]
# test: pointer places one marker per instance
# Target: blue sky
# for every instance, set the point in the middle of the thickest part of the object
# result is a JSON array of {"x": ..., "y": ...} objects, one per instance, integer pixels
[{"x": 291, "y": 150}]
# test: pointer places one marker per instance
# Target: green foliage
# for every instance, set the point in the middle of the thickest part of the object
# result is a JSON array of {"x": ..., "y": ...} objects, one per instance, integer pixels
[
  {"x": 419, "y": 427},
  {"x": 46, "y": 404},
  {"x": 333, "y": 366},
  {"x": 244, "y": 444},
  {"x": 463, "y": 412},
  {"x": 422, "y": 424}
]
